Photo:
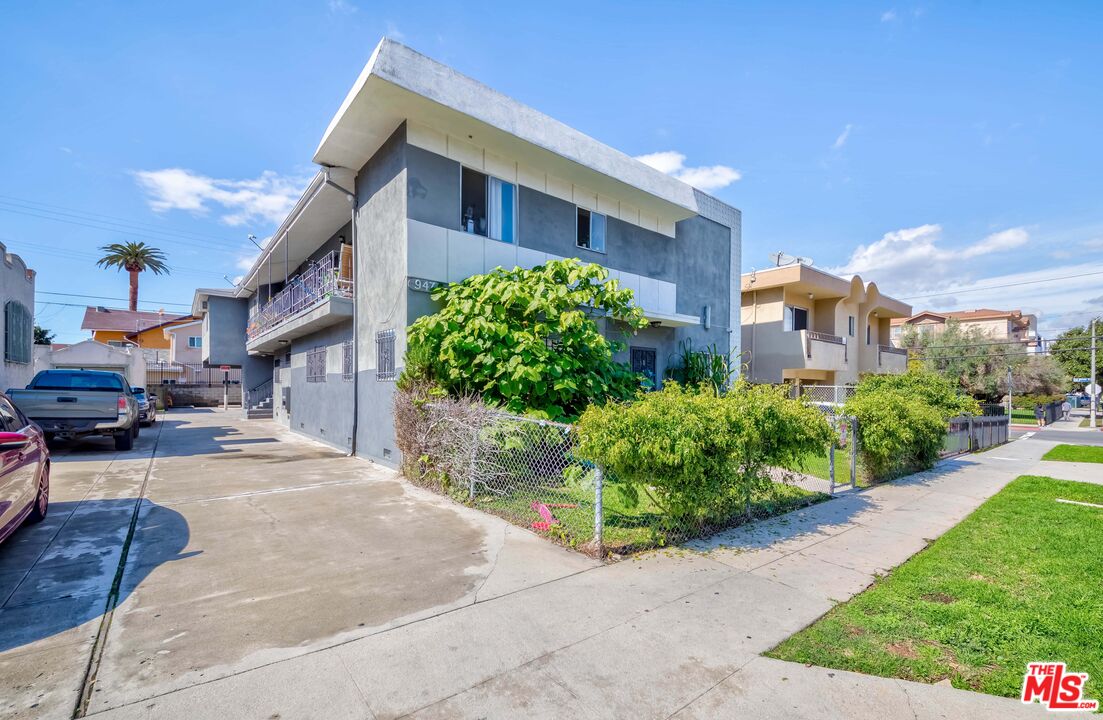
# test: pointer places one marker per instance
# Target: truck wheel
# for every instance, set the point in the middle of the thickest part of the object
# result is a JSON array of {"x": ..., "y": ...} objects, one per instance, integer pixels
[
  {"x": 124, "y": 440},
  {"x": 137, "y": 429}
]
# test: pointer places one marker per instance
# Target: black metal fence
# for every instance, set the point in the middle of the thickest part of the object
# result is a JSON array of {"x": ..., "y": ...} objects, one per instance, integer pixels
[{"x": 193, "y": 374}]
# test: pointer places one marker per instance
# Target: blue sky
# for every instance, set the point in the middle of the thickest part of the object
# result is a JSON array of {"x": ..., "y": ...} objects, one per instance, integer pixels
[{"x": 937, "y": 148}]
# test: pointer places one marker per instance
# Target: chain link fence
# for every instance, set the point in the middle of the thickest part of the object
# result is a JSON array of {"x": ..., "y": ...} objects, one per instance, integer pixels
[{"x": 528, "y": 472}]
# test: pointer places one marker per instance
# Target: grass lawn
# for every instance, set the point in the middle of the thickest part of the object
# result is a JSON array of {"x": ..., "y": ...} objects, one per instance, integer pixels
[
  {"x": 626, "y": 528},
  {"x": 1016, "y": 581},
  {"x": 1075, "y": 453},
  {"x": 1087, "y": 421},
  {"x": 1023, "y": 416}
]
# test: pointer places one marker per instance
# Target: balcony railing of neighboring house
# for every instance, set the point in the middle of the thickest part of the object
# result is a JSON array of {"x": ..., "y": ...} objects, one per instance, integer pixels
[
  {"x": 812, "y": 335},
  {"x": 325, "y": 278},
  {"x": 890, "y": 350}
]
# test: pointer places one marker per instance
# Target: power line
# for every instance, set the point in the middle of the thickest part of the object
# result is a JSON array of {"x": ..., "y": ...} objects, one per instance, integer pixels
[
  {"x": 998, "y": 287},
  {"x": 101, "y": 297},
  {"x": 121, "y": 230},
  {"x": 74, "y": 212}
]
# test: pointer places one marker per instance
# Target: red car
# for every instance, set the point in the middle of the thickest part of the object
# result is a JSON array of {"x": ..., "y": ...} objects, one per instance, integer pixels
[{"x": 24, "y": 470}]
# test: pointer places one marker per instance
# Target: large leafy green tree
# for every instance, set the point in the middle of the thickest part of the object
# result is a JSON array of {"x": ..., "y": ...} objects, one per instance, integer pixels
[
  {"x": 1072, "y": 349},
  {"x": 528, "y": 339},
  {"x": 135, "y": 258}
]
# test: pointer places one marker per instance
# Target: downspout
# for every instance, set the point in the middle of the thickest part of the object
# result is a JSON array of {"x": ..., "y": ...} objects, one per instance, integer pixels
[
  {"x": 355, "y": 330},
  {"x": 754, "y": 330}
]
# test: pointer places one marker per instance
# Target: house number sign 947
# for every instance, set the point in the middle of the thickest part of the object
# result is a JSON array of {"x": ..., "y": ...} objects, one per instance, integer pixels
[{"x": 422, "y": 285}]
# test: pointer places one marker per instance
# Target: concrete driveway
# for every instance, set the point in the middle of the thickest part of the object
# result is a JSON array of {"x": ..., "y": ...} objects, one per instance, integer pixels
[
  {"x": 269, "y": 577},
  {"x": 249, "y": 546}
]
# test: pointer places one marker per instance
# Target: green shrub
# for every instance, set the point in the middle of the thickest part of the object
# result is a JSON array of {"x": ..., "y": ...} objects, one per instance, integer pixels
[
  {"x": 897, "y": 433},
  {"x": 1027, "y": 402},
  {"x": 698, "y": 456},
  {"x": 931, "y": 388},
  {"x": 527, "y": 339},
  {"x": 691, "y": 367}
]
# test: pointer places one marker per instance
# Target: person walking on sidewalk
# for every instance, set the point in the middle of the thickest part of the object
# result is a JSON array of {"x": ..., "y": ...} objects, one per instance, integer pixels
[
  {"x": 1040, "y": 415},
  {"x": 1066, "y": 408}
]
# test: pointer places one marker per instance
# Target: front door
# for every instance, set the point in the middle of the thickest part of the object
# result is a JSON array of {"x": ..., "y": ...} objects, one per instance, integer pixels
[{"x": 644, "y": 363}]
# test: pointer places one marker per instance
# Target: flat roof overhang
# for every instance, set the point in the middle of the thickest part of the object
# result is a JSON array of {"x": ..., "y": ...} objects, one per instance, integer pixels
[
  {"x": 323, "y": 209},
  {"x": 398, "y": 84}
]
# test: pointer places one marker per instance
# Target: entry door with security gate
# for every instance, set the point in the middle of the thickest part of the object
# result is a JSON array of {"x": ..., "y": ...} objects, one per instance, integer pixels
[{"x": 644, "y": 363}]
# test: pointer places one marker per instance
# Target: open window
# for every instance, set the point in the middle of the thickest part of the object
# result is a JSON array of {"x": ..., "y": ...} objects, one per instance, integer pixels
[
  {"x": 796, "y": 318},
  {"x": 488, "y": 206},
  {"x": 473, "y": 202},
  {"x": 590, "y": 230}
]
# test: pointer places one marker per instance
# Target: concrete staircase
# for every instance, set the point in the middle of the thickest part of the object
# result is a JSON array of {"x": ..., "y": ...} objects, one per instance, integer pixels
[{"x": 258, "y": 402}]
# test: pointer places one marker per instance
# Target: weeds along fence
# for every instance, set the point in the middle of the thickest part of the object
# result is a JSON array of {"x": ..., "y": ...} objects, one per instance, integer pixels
[{"x": 528, "y": 472}]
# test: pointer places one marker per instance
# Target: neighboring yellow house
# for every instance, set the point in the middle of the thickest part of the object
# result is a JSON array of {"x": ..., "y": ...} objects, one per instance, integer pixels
[
  {"x": 806, "y": 326},
  {"x": 139, "y": 328}
]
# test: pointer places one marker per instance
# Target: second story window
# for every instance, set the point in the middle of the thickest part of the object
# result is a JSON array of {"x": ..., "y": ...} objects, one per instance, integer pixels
[
  {"x": 195, "y": 341},
  {"x": 796, "y": 318},
  {"x": 590, "y": 230},
  {"x": 850, "y": 326},
  {"x": 869, "y": 336},
  {"x": 488, "y": 206}
]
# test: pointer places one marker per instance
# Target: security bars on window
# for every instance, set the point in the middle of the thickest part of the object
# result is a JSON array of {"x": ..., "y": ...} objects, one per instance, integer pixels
[
  {"x": 316, "y": 365},
  {"x": 346, "y": 360},
  {"x": 384, "y": 355}
]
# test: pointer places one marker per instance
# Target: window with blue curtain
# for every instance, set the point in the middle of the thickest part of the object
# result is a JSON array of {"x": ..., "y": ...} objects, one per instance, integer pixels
[{"x": 503, "y": 210}]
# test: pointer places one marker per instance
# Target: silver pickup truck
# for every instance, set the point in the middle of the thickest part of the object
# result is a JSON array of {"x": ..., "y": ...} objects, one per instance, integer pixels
[{"x": 68, "y": 403}]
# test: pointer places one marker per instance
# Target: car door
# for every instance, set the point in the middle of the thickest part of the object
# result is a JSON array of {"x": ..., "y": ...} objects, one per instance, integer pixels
[
  {"x": 34, "y": 454},
  {"x": 13, "y": 471}
]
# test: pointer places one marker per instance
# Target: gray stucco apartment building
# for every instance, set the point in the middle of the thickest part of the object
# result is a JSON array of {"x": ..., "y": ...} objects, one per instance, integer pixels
[{"x": 429, "y": 177}]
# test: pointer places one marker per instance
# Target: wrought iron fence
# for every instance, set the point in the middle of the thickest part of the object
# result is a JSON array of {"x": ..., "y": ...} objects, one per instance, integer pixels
[
  {"x": 973, "y": 433},
  {"x": 319, "y": 282},
  {"x": 194, "y": 374}
]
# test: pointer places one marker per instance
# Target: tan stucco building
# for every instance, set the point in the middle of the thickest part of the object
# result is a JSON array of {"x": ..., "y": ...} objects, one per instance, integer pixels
[
  {"x": 808, "y": 326},
  {"x": 1008, "y": 325}
]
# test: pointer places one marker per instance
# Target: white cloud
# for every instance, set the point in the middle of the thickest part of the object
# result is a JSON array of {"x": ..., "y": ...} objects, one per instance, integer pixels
[
  {"x": 267, "y": 198},
  {"x": 707, "y": 178},
  {"x": 888, "y": 16},
  {"x": 843, "y": 136},
  {"x": 341, "y": 7},
  {"x": 913, "y": 258},
  {"x": 394, "y": 33},
  {"x": 914, "y": 265}
]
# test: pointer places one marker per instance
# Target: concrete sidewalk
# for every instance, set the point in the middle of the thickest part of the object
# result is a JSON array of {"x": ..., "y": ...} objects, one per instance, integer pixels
[{"x": 675, "y": 633}]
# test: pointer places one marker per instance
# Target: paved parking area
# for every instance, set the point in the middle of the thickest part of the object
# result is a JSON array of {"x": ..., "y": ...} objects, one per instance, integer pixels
[
  {"x": 251, "y": 545},
  {"x": 270, "y": 577}
]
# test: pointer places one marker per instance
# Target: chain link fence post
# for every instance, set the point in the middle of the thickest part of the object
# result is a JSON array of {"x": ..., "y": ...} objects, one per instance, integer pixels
[
  {"x": 831, "y": 461},
  {"x": 853, "y": 452},
  {"x": 599, "y": 517}
]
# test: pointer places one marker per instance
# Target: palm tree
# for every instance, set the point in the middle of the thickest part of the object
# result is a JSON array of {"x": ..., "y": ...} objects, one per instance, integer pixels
[{"x": 134, "y": 257}]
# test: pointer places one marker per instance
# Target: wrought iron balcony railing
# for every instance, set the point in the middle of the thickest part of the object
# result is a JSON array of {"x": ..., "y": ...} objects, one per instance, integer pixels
[{"x": 322, "y": 280}]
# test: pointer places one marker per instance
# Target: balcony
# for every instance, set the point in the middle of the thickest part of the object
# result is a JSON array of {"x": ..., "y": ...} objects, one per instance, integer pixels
[
  {"x": 891, "y": 359},
  {"x": 829, "y": 351},
  {"x": 319, "y": 297}
]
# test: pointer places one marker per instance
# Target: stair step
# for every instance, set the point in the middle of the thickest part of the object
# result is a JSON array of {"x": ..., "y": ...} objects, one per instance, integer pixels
[{"x": 254, "y": 414}]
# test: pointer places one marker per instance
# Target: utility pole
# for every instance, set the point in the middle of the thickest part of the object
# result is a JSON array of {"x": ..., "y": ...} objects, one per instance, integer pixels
[{"x": 1095, "y": 385}]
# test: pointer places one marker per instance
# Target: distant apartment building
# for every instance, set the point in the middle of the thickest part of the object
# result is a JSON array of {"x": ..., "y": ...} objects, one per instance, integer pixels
[
  {"x": 429, "y": 177},
  {"x": 999, "y": 325},
  {"x": 806, "y": 326},
  {"x": 17, "y": 297}
]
